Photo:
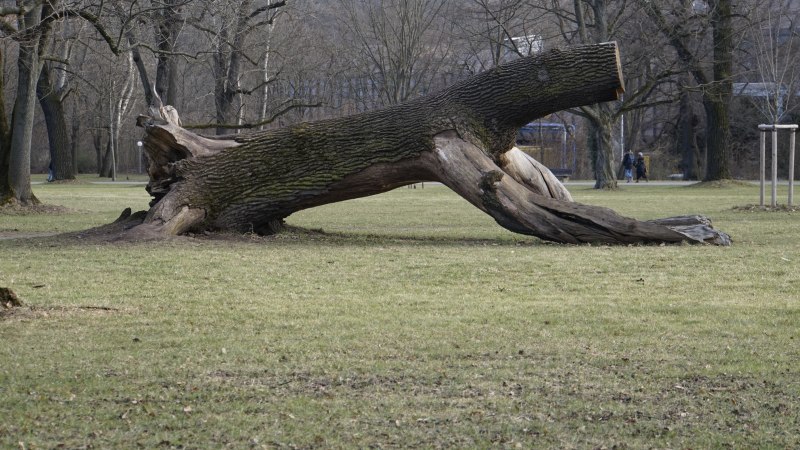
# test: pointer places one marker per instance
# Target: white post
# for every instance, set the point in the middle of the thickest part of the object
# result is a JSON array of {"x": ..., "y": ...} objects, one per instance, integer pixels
[
  {"x": 791, "y": 167},
  {"x": 139, "y": 144},
  {"x": 774, "y": 200},
  {"x": 622, "y": 137},
  {"x": 761, "y": 166}
]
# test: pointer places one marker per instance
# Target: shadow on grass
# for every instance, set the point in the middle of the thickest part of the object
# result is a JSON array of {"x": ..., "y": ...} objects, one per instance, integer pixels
[
  {"x": 292, "y": 234},
  {"x": 114, "y": 234}
]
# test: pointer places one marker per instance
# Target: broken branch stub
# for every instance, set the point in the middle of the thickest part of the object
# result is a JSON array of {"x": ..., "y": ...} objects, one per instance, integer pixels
[{"x": 8, "y": 298}]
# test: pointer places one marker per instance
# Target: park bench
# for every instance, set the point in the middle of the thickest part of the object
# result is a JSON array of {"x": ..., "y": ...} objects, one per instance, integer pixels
[{"x": 562, "y": 174}]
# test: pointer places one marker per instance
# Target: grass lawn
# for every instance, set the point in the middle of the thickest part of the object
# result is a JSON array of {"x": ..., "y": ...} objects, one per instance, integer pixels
[{"x": 408, "y": 319}]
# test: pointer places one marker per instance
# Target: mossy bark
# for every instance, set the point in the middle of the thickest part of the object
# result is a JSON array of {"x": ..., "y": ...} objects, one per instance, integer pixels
[{"x": 252, "y": 182}]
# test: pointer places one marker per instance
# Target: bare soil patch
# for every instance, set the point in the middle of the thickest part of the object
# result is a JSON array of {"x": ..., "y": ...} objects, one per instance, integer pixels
[
  {"x": 15, "y": 234},
  {"x": 720, "y": 184},
  {"x": 42, "y": 312},
  {"x": 32, "y": 210},
  {"x": 759, "y": 208}
]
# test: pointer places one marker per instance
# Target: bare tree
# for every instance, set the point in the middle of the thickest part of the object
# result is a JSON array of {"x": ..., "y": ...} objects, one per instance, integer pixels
[
  {"x": 163, "y": 23},
  {"x": 52, "y": 90},
  {"x": 266, "y": 67},
  {"x": 5, "y": 132},
  {"x": 595, "y": 21},
  {"x": 402, "y": 44},
  {"x": 30, "y": 32},
  {"x": 51, "y": 93},
  {"x": 227, "y": 27},
  {"x": 774, "y": 58},
  {"x": 689, "y": 142},
  {"x": 31, "y": 26},
  {"x": 684, "y": 23},
  {"x": 494, "y": 30},
  {"x": 119, "y": 104}
]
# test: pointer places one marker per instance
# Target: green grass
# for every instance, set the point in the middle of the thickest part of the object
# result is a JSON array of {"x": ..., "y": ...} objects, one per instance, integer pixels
[{"x": 410, "y": 320}]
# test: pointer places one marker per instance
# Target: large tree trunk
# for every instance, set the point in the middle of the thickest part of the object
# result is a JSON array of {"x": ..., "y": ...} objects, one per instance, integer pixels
[
  {"x": 5, "y": 138},
  {"x": 35, "y": 42},
  {"x": 462, "y": 137},
  {"x": 717, "y": 137},
  {"x": 168, "y": 26},
  {"x": 227, "y": 68},
  {"x": 717, "y": 96},
  {"x": 61, "y": 160},
  {"x": 19, "y": 172},
  {"x": 601, "y": 126},
  {"x": 686, "y": 132},
  {"x": 106, "y": 166}
]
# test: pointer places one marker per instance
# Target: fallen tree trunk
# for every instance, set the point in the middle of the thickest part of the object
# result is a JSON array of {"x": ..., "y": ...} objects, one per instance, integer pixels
[{"x": 462, "y": 136}]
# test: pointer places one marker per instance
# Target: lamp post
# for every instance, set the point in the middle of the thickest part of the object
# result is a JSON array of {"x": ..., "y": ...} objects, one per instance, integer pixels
[{"x": 139, "y": 144}]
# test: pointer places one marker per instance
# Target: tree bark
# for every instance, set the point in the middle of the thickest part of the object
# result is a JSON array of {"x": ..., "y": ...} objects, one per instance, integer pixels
[
  {"x": 685, "y": 132},
  {"x": 227, "y": 68},
  {"x": 33, "y": 43},
  {"x": 718, "y": 87},
  {"x": 462, "y": 136},
  {"x": 61, "y": 160},
  {"x": 169, "y": 22},
  {"x": 718, "y": 95},
  {"x": 19, "y": 172},
  {"x": 5, "y": 139},
  {"x": 601, "y": 125}
]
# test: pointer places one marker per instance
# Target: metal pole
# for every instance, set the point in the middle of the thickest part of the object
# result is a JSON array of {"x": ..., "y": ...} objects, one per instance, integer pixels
[
  {"x": 622, "y": 137},
  {"x": 762, "y": 164},
  {"x": 774, "y": 201},
  {"x": 791, "y": 167},
  {"x": 139, "y": 145}
]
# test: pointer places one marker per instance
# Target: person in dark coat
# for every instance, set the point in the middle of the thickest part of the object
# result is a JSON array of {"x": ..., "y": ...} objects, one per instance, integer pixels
[
  {"x": 641, "y": 168},
  {"x": 627, "y": 165}
]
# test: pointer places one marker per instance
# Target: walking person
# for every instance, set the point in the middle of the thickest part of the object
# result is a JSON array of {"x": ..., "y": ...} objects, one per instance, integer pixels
[
  {"x": 627, "y": 165},
  {"x": 641, "y": 168}
]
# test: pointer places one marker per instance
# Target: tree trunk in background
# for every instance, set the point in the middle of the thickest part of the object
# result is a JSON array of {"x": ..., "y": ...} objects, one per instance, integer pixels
[
  {"x": 61, "y": 160},
  {"x": 717, "y": 140},
  {"x": 75, "y": 133},
  {"x": 32, "y": 40},
  {"x": 601, "y": 125},
  {"x": 462, "y": 136},
  {"x": 19, "y": 172},
  {"x": 101, "y": 151},
  {"x": 106, "y": 160},
  {"x": 227, "y": 69},
  {"x": 168, "y": 26},
  {"x": 5, "y": 139},
  {"x": 685, "y": 133},
  {"x": 147, "y": 88},
  {"x": 717, "y": 96},
  {"x": 717, "y": 89}
]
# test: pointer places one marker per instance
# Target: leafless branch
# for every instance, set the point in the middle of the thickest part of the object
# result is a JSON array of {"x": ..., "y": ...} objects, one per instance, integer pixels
[{"x": 267, "y": 121}]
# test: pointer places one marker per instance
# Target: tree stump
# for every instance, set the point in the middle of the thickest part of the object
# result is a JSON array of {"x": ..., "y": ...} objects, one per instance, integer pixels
[{"x": 9, "y": 299}]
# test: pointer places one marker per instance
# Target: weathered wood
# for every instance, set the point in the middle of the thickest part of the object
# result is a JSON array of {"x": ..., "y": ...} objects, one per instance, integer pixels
[
  {"x": 522, "y": 210},
  {"x": 8, "y": 298},
  {"x": 462, "y": 136}
]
